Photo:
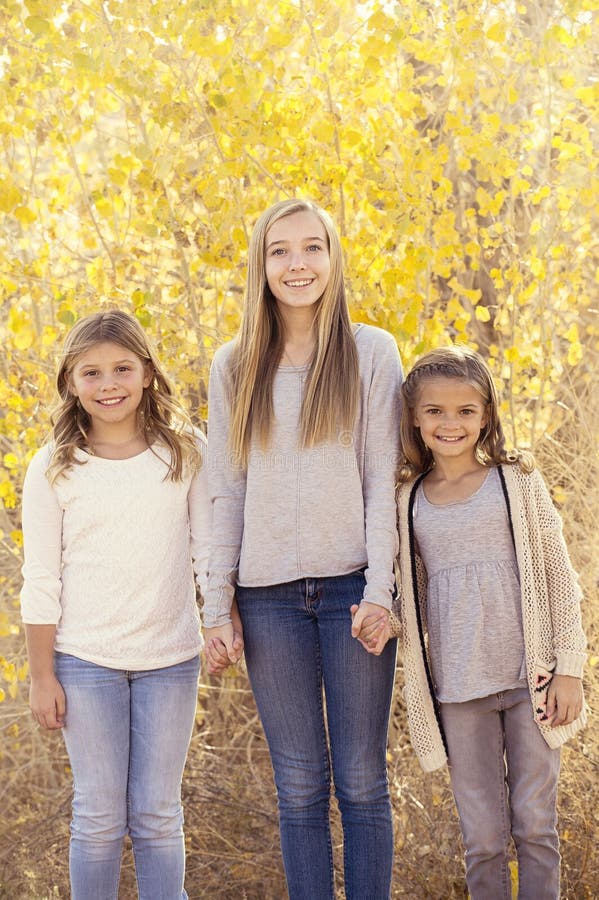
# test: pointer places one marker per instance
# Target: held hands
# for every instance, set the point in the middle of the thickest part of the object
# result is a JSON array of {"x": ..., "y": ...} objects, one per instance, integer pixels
[
  {"x": 224, "y": 644},
  {"x": 48, "y": 703},
  {"x": 370, "y": 625},
  {"x": 564, "y": 700}
]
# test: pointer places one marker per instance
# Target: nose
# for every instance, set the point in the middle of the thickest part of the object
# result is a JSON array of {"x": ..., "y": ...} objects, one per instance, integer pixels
[
  {"x": 296, "y": 261},
  {"x": 108, "y": 383}
]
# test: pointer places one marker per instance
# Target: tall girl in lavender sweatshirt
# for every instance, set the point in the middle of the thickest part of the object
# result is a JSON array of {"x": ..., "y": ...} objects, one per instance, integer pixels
[{"x": 303, "y": 432}]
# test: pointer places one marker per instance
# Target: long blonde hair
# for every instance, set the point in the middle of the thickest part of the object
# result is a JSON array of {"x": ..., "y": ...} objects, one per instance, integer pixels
[
  {"x": 332, "y": 387},
  {"x": 162, "y": 417},
  {"x": 463, "y": 364}
]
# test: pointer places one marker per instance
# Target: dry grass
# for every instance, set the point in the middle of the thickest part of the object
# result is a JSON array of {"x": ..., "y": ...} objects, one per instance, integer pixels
[{"x": 232, "y": 835}]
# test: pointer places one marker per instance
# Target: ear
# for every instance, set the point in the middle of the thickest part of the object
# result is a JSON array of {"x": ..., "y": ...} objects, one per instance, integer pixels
[
  {"x": 71, "y": 387},
  {"x": 148, "y": 374}
]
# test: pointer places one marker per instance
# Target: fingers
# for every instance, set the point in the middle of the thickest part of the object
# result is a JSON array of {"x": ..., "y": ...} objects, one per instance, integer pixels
[
  {"x": 370, "y": 626},
  {"x": 564, "y": 700}
]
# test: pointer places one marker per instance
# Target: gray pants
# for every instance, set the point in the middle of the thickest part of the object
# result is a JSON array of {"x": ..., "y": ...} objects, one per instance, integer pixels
[{"x": 504, "y": 778}]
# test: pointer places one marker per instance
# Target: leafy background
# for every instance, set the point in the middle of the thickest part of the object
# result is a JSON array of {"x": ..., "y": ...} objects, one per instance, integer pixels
[{"x": 455, "y": 143}]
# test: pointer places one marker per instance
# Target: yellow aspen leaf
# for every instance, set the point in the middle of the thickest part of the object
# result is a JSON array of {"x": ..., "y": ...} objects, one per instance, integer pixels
[
  {"x": 593, "y": 661},
  {"x": 2, "y": 695},
  {"x": 575, "y": 353},
  {"x": 537, "y": 267},
  {"x": 37, "y": 25},
  {"x": 496, "y": 33},
  {"x": 512, "y": 354},
  {"x": 559, "y": 495},
  {"x": 16, "y": 537},
  {"x": 10, "y": 461},
  {"x": 512, "y": 95},
  {"x": 25, "y": 215},
  {"x": 482, "y": 313},
  {"x": 535, "y": 226},
  {"x": 567, "y": 80}
]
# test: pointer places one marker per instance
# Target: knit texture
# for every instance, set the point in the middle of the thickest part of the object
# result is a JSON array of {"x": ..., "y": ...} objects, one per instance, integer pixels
[
  {"x": 108, "y": 558},
  {"x": 550, "y": 595},
  {"x": 307, "y": 512}
]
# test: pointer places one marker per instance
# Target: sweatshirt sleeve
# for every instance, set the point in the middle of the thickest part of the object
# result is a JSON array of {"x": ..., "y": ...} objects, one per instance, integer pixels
[
  {"x": 42, "y": 545},
  {"x": 227, "y": 485},
  {"x": 379, "y": 473},
  {"x": 200, "y": 518},
  {"x": 563, "y": 589}
]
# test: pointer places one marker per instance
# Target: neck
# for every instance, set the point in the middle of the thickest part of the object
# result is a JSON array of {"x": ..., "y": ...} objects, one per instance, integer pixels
[
  {"x": 114, "y": 442},
  {"x": 299, "y": 339},
  {"x": 454, "y": 470}
]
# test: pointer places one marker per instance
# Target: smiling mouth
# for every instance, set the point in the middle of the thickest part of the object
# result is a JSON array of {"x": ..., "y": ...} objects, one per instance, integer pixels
[
  {"x": 449, "y": 440},
  {"x": 304, "y": 282},
  {"x": 114, "y": 401}
]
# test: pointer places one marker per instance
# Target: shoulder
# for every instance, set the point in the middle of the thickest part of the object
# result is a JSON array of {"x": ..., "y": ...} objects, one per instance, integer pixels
[
  {"x": 40, "y": 460},
  {"x": 222, "y": 356},
  {"x": 371, "y": 337}
]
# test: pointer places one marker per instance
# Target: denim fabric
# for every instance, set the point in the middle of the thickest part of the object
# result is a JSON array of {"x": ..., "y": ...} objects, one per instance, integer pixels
[
  {"x": 504, "y": 777},
  {"x": 297, "y": 639},
  {"x": 127, "y": 735}
]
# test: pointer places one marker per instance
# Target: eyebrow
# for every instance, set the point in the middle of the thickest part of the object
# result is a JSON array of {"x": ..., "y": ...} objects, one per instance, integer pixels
[
  {"x": 461, "y": 406},
  {"x": 321, "y": 239},
  {"x": 117, "y": 362}
]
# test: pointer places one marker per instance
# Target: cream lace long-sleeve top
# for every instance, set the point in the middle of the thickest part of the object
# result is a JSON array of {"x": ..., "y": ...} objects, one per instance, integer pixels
[
  {"x": 554, "y": 641},
  {"x": 108, "y": 558},
  {"x": 307, "y": 512}
]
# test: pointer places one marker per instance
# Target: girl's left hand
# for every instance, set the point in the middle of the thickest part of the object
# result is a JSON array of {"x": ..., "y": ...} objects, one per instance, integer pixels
[
  {"x": 370, "y": 625},
  {"x": 564, "y": 700}
]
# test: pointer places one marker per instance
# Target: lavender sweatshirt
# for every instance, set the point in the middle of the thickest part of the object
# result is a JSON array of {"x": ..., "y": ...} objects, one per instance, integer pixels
[{"x": 306, "y": 512}]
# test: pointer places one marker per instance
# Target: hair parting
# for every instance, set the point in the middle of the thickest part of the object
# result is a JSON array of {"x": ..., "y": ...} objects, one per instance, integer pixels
[
  {"x": 162, "y": 417},
  {"x": 464, "y": 364}
]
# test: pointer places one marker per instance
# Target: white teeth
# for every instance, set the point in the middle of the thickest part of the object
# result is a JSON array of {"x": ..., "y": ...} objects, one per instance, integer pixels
[
  {"x": 299, "y": 283},
  {"x": 110, "y": 402}
]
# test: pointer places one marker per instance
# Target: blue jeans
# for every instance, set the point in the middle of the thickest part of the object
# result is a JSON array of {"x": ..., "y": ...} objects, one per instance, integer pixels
[
  {"x": 504, "y": 777},
  {"x": 127, "y": 735},
  {"x": 297, "y": 639}
]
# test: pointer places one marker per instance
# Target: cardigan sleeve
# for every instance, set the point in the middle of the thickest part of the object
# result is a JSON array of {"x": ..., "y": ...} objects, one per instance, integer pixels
[
  {"x": 42, "y": 545},
  {"x": 563, "y": 589}
]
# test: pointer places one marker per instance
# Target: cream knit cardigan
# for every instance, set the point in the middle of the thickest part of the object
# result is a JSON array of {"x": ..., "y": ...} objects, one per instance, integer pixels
[{"x": 553, "y": 636}]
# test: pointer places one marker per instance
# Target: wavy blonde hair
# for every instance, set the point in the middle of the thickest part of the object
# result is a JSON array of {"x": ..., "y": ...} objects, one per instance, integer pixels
[
  {"x": 332, "y": 387},
  {"x": 161, "y": 415},
  {"x": 466, "y": 365}
]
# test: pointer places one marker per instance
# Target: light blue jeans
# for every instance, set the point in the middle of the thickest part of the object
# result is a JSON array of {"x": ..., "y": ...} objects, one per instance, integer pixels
[
  {"x": 127, "y": 735},
  {"x": 297, "y": 639},
  {"x": 504, "y": 778}
]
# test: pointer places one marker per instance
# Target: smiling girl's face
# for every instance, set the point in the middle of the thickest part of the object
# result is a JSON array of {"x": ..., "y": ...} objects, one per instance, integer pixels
[
  {"x": 109, "y": 381},
  {"x": 450, "y": 414},
  {"x": 297, "y": 260}
]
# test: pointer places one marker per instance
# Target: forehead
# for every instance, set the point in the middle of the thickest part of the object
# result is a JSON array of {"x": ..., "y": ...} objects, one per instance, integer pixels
[
  {"x": 443, "y": 391},
  {"x": 298, "y": 226},
  {"x": 104, "y": 352}
]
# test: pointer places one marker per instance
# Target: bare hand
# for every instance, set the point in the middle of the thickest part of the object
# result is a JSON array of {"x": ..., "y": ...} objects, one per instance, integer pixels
[
  {"x": 224, "y": 644},
  {"x": 564, "y": 700},
  {"x": 370, "y": 626},
  {"x": 48, "y": 703}
]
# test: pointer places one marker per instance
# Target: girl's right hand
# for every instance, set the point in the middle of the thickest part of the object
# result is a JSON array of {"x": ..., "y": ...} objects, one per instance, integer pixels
[
  {"x": 224, "y": 647},
  {"x": 47, "y": 702}
]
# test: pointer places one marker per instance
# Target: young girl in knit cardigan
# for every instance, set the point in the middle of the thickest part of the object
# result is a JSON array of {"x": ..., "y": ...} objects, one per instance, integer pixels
[
  {"x": 493, "y": 643},
  {"x": 115, "y": 509}
]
